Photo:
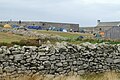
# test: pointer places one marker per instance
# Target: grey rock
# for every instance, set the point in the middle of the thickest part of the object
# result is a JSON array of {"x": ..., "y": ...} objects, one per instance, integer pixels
[
  {"x": 1, "y": 51},
  {"x": 11, "y": 57},
  {"x": 59, "y": 64},
  {"x": 1, "y": 70},
  {"x": 74, "y": 62},
  {"x": 8, "y": 69},
  {"x": 117, "y": 61},
  {"x": 65, "y": 64},
  {"x": 2, "y": 57},
  {"x": 59, "y": 69},
  {"x": 44, "y": 58},
  {"x": 85, "y": 65},
  {"x": 28, "y": 60},
  {"x": 47, "y": 63},
  {"x": 18, "y": 56},
  {"x": 53, "y": 66},
  {"x": 34, "y": 56},
  {"x": 79, "y": 62},
  {"x": 15, "y": 52},
  {"x": 53, "y": 57},
  {"x": 81, "y": 72},
  {"x": 109, "y": 60},
  {"x": 41, "y": 53},
  {"x": 62, "y": 57},
  {"x": 27, "y": 54},
  {"x": 100, "y": 66}
]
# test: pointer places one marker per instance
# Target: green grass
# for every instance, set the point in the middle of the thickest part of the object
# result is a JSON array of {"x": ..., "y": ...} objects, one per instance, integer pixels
[
  {"x": 9, "y": 37},
  {"x": 70, "y": 35}
]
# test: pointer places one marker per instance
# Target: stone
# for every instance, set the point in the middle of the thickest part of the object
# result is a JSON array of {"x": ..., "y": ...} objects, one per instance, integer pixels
[
  {"x": 79, "y": 62},
  {"x": 41, "y": 53},
  {"x": 44, "y": 58},
  {"x": 34, "y": 56},
  {"x": 1, "y": 51},
  {"x": 59, "y": 69},
  {"x": 81, "y": 72},
  {"x": 18, "y": 56},
  {"x": 100, "y": 66},
  {"x": 53, "y": 57},
  {"x": 116, "y": 61},
  {"x": 59, "y": 64},
  {"x": 1, "y": 70},
  {"x": 8, "y": 69},
  {"x": 62, "y": 57},
  {"x": 119, "y": 47},
  {"x": 74, "y": 62},
  {"x": 85, "y": 65},
  {"x": 11, "y": 57},
  {"x": 109, "y": 60},
  {"x": 2, "y": 57},
  {"x": 46, "y": 63},
  {"x": 28, "y": 60},
  {"x": 65, "y": 64},
  {"x": 27, "y": 54},
  {"x": 15, "y": 52}
]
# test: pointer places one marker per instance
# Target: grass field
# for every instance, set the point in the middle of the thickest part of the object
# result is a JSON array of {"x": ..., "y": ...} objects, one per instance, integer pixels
[
  {"x": 70, "y": 35},
  {"x": 9, "y": 37}
]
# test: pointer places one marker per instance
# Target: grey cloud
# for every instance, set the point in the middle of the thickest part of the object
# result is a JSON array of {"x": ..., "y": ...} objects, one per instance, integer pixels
[{"x": 73, "y": 11}]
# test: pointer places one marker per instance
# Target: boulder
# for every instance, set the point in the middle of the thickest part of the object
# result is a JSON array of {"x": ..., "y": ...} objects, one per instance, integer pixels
[{"x": 116, "y": 61}]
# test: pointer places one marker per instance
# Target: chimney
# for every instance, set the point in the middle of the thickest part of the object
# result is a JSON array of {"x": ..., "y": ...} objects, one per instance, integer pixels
[{"x": 98, "y": 21}]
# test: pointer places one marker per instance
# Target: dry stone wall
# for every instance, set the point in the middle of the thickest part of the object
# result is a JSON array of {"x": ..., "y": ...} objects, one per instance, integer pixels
[{"x": 61, "y": 58}]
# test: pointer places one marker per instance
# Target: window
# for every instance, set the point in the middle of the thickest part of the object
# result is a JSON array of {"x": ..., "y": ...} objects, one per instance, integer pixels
[{"x": 100, "y": 29}]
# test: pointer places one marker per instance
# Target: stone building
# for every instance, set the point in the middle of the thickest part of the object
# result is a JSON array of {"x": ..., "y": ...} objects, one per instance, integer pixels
[
  {"x": 113, "y": 33},
  {"x": 109, "y": 30},
  {"x": 103, "y": 26},
  {"x": 45, "y": 25}
]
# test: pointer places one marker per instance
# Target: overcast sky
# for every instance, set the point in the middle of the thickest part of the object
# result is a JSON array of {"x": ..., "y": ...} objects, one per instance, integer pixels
[{"x": 84, "y": 12}]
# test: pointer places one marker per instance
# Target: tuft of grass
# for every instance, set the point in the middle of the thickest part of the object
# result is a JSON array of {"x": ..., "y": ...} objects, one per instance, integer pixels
[{"x": 101, "y": 76}]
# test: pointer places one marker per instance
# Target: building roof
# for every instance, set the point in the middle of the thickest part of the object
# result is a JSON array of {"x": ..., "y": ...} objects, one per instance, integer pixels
[{"x": 108, "y": 23}]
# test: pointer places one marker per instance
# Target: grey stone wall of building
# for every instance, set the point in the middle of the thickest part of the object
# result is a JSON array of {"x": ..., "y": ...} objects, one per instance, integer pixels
[
  {"x": 60, "y": 58},
  {"x": 113, "y": 33},
  {"x": 102, "y": 28},
  {"x": 45, "y": 25}
]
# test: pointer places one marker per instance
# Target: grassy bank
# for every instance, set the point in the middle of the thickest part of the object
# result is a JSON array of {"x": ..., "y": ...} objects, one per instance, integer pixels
[
  {"x": 101, "y": 76},
  {"x": 70, "y": 35},
  {"x": 9, "y": 37}
]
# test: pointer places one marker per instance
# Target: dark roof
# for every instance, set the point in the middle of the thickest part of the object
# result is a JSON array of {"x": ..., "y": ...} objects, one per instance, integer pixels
[{"x": 109, "y": 23}]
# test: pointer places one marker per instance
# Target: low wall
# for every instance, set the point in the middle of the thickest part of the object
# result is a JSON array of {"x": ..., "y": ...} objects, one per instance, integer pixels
[{"x": 61, "y": 58}]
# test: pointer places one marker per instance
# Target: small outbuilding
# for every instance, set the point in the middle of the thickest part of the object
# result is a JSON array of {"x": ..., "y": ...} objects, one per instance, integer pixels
[
  {"x": 113, "y": 33},
  {"x": 7, "y": 26}
]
